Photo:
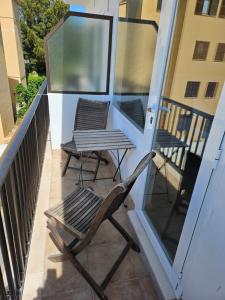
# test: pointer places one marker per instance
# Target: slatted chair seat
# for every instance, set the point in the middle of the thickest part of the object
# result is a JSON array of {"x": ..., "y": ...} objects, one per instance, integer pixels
[
  {"x": 77, "y": 210},
  {"x": 69, "y": 147},
  {"x": 81, "y": 213}
]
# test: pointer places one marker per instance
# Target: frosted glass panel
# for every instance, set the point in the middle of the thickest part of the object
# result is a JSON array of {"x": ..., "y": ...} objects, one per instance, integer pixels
[
  {"x": 136, "y": 42},
  {"x": 77, "y": 55},
  {"x": 134, "y": 56}
]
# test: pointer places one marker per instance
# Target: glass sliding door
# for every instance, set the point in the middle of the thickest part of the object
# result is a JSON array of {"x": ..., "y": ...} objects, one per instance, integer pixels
[
  {"x": 136, "y": 42},
  {"x": 192, "y": 87}
]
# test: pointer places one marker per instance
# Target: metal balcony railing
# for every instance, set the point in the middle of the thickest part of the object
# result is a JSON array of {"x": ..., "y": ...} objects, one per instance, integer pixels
[
  {"x": 190, "y": 125},
  {"x": 20, "y": 172}
]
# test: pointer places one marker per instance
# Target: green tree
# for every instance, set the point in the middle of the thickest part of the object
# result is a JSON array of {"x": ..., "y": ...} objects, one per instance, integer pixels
[{"x": 37, "y": 17}]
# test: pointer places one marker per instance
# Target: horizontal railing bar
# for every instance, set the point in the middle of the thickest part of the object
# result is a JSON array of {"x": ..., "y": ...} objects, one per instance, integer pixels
[
  {"x": 11, "y": 150},
  {"x": 189, "y": 108}
]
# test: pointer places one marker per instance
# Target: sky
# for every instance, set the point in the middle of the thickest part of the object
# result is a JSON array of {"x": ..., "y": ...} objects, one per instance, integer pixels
[{"x": 77, "y": 8}]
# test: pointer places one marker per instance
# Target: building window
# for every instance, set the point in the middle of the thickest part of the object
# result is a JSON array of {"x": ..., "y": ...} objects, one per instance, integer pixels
[
  {"x": 206, "y": 7},
  {"x": 201, "y": 50},
  {"x": 220, "y": 52},
  {"x": 211, "y": 89},
  {"x": 222, "y": 10},
  {"x": 159, "y": 5},
  {"x": 192, "y": 89}
]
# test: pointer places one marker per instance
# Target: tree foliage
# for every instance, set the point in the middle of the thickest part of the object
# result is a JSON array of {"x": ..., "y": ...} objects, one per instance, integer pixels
[
  {"x": 37, "y": 17},
  {"x": 25, "y": 94}
]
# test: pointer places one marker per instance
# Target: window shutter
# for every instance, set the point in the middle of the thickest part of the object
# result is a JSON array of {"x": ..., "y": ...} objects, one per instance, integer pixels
[
  {"x": 222, "y": 10},
  {"x": 220, "y": 53},
  {"x": 192, "y": 89},
  {"x": 201, "y": 50},
  {"x": 199, "y": 7},
  {"x": 213, "y": 7}
]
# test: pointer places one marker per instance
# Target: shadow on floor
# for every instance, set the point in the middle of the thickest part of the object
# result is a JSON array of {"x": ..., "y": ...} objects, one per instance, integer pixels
[
  {"x": 159, "y": 205},
  {"x": 62, "y": 280}
]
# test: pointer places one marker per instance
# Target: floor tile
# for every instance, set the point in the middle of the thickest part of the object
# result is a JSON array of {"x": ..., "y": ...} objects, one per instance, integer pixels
[{"x": 61, "y": 280}]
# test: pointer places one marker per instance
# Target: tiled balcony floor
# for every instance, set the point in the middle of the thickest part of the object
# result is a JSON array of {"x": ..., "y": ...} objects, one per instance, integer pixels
[{"x": 47, "y": 280}]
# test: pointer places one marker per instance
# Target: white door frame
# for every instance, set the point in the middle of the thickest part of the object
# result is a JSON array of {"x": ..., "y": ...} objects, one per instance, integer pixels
[
  {"x": 209, "y": 162},
  {"x": 164, "y": 41},
  {"x": 164, "y": 38}
]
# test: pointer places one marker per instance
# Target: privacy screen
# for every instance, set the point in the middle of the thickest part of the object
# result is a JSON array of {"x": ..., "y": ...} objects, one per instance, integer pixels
[{"x": 78, "y": 54}]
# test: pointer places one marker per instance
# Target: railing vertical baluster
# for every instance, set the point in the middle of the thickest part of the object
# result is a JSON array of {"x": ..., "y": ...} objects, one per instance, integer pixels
[
  {"x": 36, "y": 143},
  {"x": 20, "y": 169},
  {"x": 15, "y": 224},
  {"x": 206, "y": 137},
  {"x": 20, "y": 206},
  {"x": 6, "y": 260},
  {"x": 10, "y": 237},
  {"x": 20, "y": 177},
  {"x": 2, "y": 286},
  {"x": 169, "y": 122},
  {"x": 199, "y": 136},
  {"x": 174, "y": 125},
  {"x": 25, "y": 185},
  {"x": 28, "y": 171}
]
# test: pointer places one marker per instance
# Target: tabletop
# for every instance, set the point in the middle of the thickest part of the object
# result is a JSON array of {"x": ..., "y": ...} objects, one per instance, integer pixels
[
  {"x": 97, "y": 140},
  {"x": 165, "y": 139}
]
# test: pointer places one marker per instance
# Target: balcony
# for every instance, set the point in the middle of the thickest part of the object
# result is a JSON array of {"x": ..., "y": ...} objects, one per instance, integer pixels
[
  {"x": 32, "y": 185},
  {"x": 31, "y": 166},
  {"x": 31, "y": 182}
]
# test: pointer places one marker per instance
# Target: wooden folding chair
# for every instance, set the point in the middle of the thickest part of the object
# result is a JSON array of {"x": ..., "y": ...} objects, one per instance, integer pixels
[
  {"x": 90, "y": 114},
  {"x": 81, "y": 214}
]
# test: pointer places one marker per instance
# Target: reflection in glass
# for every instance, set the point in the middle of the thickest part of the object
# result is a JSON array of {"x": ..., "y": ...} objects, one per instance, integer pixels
[
  {"x": 77, "y": 55},
  {"x": 191, "y": 92},
  {"x": 136, "y": 42}
]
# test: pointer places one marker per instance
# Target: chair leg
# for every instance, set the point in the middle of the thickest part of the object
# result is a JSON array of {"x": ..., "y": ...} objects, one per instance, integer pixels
[
  {"x": 125, "y": 235},
  {"x": 66, "y": 164},
  {"x": 101, "y": 158},
  {"x": 99, "y": 289},
  {"x": 96, "y": 169}
]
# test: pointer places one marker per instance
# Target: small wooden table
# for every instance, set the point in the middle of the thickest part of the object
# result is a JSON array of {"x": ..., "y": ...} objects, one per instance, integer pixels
[{"x": 99, "y": 140}]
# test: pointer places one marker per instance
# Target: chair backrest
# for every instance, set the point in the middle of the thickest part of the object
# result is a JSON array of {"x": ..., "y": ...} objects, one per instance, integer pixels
[
  {"x": 134, "y": 110},
  {"x": 119, "y": 193},
  {"x": 91, "y": 114},
  {"x": 113, "y": 201},
  {"x": 128, "y": 184}
]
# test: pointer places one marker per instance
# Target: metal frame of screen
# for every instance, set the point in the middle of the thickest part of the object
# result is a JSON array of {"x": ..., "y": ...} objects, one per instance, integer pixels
[
  {"x": 139, "y": 21},
  {"x": 59, "y": 24}
]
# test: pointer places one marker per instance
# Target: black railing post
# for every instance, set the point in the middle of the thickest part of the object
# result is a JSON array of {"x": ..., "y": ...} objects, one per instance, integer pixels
[
  {"x": 193, "y": 126},
  {"x": 20, "y": 171}
]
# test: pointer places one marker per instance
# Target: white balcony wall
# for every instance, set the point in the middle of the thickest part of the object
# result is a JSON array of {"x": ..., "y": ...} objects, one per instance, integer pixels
[
  {"x": 62, "y": 110},
  {"x": 103, "y": 7}
]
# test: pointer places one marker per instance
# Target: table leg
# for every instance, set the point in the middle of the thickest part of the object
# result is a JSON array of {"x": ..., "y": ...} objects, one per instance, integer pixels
[
  {"x": 80, "y": 177},
  {"x": 119, "y": 161}
]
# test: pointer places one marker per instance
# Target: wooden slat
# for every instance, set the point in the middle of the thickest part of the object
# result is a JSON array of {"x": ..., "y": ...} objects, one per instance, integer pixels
[
  {"x": 77, "y": 211},
  {"x": 97, "y": 131},
  {"x": 86, "y": 136},
  {"x": 166, "y": 140},
  {"x": 99, "y": 141},
  {"x": 106, "y": 147}
]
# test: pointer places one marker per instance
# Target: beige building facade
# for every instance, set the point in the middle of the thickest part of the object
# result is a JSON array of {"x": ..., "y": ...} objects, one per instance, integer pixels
[
  {"x": 12, "y": 45},
  {"x": 198, "y": 59},
  {"x": 6, "y": 112},
  {"x": 196, "y": 69}
]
